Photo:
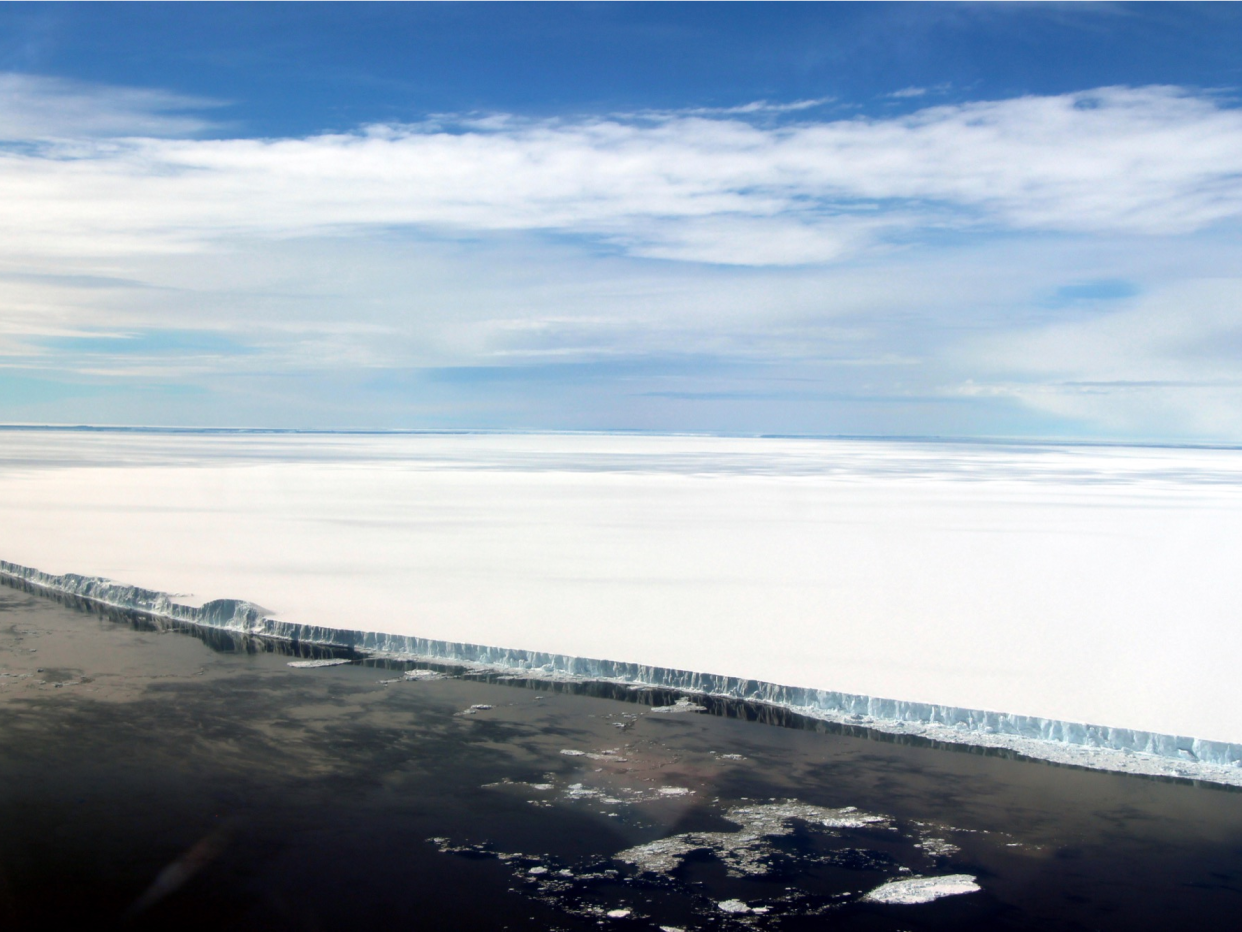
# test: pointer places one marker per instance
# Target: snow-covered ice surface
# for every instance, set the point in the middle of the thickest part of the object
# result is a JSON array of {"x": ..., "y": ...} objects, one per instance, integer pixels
[
  {"x": 899, "y": 585},
  {"x": 915, "y": 890}
]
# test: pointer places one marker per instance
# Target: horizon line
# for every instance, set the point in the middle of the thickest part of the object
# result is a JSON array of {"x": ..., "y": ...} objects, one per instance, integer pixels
[{"x": 629, "y": 431}]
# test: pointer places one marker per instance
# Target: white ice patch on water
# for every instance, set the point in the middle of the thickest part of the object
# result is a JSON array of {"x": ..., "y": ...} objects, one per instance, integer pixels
[
  {"x": 937, "y": 847},
  {"x": 914, "y": 890},
  {"x": 745, "y": 852},
  {"x": 681, "y": 705},
  {"x": 753, "y": 851},
  {"x": 579, "y": 791},
  {"x": 313, "y": 664}
]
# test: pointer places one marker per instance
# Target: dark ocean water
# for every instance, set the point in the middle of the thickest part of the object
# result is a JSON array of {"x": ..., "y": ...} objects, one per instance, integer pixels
[{"x": 151, "y": 778}]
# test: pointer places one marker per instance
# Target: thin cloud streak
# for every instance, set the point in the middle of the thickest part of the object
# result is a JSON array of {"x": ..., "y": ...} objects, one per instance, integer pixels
[
  {"x": 37, "y": 108},
  {"x": 1165, "y": 363}
]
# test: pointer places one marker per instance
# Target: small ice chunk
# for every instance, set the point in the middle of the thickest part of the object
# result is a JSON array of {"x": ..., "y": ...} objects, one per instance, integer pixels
[
  {"x": 938, "y": 847},
  {"x": 310, "y": 664},
  {"x": 618, "y": 913},
  {"x": 568, "y": 753},
  {"x": 732, "y": 906},
  {"x": 681, "y": 705},
  {"x": 915, "y": 890},
  {"x": 674, "y": 791}
]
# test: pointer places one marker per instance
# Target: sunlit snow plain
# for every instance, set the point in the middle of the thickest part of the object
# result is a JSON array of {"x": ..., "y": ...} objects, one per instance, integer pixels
[{"x": 1085, "y": 583}]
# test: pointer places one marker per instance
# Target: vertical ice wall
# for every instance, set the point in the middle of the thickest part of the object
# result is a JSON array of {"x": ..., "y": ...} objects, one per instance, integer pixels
[{"x": 1036, "y": 737}]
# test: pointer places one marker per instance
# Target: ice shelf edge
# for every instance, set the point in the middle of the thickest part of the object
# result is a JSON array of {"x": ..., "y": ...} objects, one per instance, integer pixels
[{"x": 1098, "y": 747}]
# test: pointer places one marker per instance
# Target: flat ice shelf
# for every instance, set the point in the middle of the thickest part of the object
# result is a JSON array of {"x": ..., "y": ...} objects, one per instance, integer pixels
[{"x": 1061, "y": 583}]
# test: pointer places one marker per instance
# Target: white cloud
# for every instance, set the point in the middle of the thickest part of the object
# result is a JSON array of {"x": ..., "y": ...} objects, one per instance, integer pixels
[
  {"x": 1164, "y": 364},
  {"x": 909, "y": 93},
  {"x": 720, "y": 189},
  {"x": 729, "y": 348},
  {"x": 754, "y": 107},
  {"x": 801, "y": 250},
  {"x": 33, "y": 107},
  {"x": 739, "y": 239}
]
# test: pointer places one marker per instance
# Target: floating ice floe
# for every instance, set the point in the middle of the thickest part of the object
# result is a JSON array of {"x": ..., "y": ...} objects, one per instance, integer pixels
[
  {"x": 422, "y": 675},
  {"x": 744, "y": 852},
  {"x": 580, "y": 791},
  {"x": 938, "y": 847},
  {"x": 683, "y": 704},
  {"x": 914, "y": 890},
  {"x": 747, "y": 853},
  {"x": 312, "y": 664}
]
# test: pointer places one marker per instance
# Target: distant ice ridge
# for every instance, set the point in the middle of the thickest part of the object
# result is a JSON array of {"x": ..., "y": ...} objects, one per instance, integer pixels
[{"x": 1074, "y": 743}]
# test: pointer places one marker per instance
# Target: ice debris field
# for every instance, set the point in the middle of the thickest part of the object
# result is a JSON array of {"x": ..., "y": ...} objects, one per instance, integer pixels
[{"x": 1074, "y": 602}]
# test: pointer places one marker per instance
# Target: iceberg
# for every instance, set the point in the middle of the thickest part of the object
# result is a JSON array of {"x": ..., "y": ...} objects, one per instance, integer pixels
[
  {"x": 1073, "y": 602},
  {"x": 1074, "y": 743}
]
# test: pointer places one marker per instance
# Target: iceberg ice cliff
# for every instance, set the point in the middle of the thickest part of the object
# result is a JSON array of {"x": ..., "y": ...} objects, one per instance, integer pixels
[{"x": 1064, "y": 742}]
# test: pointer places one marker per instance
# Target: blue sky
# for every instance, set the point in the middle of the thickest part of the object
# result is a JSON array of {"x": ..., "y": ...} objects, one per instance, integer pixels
[{"x": 915, "y": 219}]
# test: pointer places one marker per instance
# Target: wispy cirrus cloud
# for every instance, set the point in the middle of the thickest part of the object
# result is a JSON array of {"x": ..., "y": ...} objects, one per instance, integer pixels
[
  {"x": 1106, "y": 6},
  {"x": 1164, "y": 363},
  {"x": 761, "y": 107},
  {"x": 38, "y": 108},
  {"x": 693, "y": 187}
]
